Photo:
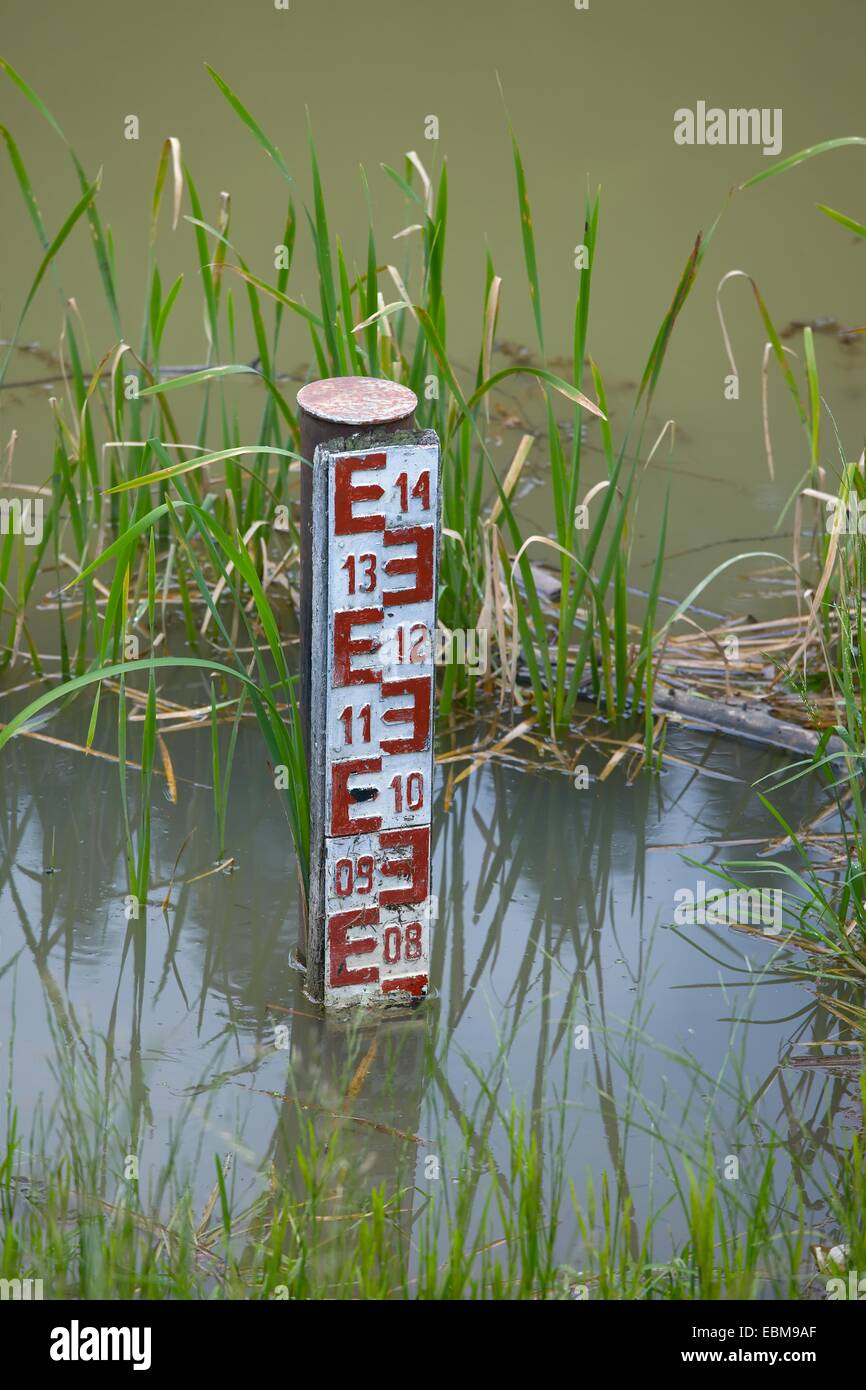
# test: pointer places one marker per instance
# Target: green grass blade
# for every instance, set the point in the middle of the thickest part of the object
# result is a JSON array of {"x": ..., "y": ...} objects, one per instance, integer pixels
[
  {"x": 793, "y": 159},
  {"x": 251, "y": 124},
  {"x": 856, "y": 227}
]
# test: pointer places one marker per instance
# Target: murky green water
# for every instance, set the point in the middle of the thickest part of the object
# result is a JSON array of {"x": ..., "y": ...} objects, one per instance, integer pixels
[{"x": 555, "y": 905}]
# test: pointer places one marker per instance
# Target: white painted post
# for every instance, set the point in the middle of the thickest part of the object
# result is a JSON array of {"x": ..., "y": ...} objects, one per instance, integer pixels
[{"x": 375, "y": 525}]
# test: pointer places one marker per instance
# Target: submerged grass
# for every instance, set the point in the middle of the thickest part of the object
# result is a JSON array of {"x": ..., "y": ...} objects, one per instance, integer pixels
[{"x": 81, "y": 1215}]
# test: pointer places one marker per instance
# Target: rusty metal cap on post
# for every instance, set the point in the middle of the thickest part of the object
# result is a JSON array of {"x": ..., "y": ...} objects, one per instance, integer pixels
[{"x": 357, "y": 400}]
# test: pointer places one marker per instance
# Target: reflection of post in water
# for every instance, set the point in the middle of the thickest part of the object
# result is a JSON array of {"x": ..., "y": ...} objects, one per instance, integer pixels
[{"x": 355, "y": 1090}]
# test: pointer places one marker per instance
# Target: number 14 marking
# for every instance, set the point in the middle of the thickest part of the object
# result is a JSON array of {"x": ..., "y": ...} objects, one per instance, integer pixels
[{"x": 421, "y": 490}]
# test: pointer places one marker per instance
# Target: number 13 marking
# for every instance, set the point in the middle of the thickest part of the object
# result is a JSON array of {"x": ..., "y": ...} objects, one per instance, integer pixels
[{"x": 368, "y": 562}]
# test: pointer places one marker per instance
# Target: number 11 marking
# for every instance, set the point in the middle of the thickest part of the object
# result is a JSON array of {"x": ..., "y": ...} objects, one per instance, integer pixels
[{"x": 347, "y": 720}]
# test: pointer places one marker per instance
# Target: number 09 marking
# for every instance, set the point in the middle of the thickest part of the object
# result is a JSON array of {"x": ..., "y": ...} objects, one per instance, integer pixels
[{"x": 353, "y": 878}]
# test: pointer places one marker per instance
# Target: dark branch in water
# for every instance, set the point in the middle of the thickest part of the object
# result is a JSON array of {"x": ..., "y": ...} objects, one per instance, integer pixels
[
  {"x": 737, "y": 718},
  {"x": 162, "y": 374}
]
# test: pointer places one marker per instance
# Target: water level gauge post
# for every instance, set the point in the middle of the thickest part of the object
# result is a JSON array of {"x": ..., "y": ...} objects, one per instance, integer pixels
[{"x": 370, "y": 522}]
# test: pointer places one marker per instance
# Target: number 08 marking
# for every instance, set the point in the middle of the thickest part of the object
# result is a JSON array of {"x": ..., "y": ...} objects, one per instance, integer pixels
[{"x": 409, "y": 941}]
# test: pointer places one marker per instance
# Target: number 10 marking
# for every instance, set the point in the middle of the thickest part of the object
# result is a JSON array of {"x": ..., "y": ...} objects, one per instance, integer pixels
[{"x": 414, "y": 791}]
